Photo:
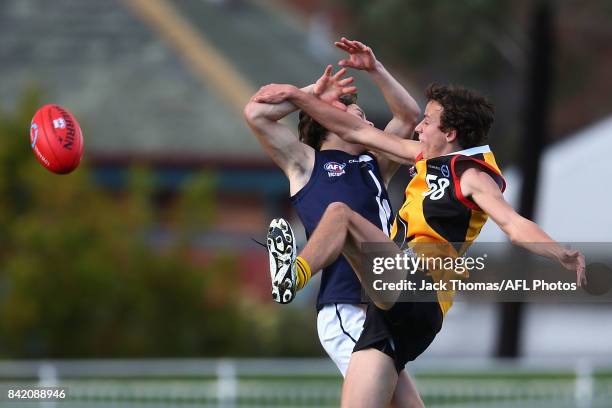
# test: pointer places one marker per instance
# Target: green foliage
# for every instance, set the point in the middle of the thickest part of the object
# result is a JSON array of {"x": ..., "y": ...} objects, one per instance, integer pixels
[{"x": 81, "y": 274}]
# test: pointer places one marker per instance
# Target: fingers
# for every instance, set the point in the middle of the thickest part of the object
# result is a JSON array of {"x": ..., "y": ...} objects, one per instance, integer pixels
[
  {"x": 271, "y": 93},
  {"x": 258, "y": 94},
  {"x": 350, "y": 46},
  {"x": 581, "y": 276},
  {"x": 339, "y": 105},
  {"x": 261, "y": 98},
  {"x": 348, "y": 43},
  {"x": 270, "y": 99},
  {"x": 346, "y": 81},
  {"x": 339, "y": 74},
  {"x": 326, "y": 73},
  {"x": 349, "y": 90},
  {"x": 347, "y": 63},
  {"x": 361, "y": 46},
  {"x": 582, "y": 269},
  {"x": 342, "y": 46},
  {"x": 577, "y": 258}
]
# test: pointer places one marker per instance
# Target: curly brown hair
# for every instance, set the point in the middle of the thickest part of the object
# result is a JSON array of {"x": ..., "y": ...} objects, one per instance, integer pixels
[
  {"x": 465, "y": 111},
  {"x": 311, "y": 132}
]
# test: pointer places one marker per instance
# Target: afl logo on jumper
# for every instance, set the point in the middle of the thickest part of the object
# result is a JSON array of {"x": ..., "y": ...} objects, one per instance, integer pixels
[{"x": 334, "y": 169}]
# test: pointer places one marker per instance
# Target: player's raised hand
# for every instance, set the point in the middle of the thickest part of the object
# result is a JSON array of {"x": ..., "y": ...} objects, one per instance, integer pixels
[
  {"x": 360, "y": 55},
  {"x": 574, "y": 261},
  {"x": 330, "y": 87},
  {"x": 273, "y": 93}
]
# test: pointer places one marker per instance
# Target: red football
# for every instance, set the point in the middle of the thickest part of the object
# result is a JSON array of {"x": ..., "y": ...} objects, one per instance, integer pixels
[{"x": 56, "y": 139}]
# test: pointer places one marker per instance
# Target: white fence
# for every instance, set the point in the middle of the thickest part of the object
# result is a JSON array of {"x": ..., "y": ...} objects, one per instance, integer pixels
[{"x": 233, "y": 383}]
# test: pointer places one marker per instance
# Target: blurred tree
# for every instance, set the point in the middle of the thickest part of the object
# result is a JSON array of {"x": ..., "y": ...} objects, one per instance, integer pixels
[
  {"x": 484, "y": 44},
  {"x": 81, "y": 274},
  {"x": 436, "y": 36},
  {"x": 475, "y": 43}
]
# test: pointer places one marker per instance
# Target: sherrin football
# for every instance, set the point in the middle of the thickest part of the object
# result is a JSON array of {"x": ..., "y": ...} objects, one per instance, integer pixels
[{"x": 56, "y": 139}]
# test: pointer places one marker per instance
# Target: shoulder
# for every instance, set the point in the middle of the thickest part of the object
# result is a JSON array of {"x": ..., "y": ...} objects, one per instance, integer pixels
[{"x": 474, "y": 178}]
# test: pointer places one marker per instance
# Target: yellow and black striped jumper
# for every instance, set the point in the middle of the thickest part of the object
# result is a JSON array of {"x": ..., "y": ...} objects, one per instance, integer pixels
[{"x": 435, "y": 210}]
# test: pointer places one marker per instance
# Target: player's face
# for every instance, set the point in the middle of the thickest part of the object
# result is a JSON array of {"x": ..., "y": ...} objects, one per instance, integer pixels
[
  {"x": 433, "y": 140},
  {"x": 355, "y": 110}
]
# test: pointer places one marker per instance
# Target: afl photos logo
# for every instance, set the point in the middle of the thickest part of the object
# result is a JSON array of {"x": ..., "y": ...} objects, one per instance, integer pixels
[{"x": 334, "y": 169}]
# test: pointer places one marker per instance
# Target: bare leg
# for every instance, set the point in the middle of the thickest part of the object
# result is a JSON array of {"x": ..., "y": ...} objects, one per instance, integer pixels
[
  {"x": 370, "y": 380},
  {"x": 328, "y": 240},
  {"x": 342, "y": 231},
  {"x": 406, "y": 394}
]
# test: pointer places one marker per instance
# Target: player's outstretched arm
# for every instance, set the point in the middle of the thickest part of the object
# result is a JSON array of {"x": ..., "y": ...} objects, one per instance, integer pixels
[
  {"x": 404, "y": 108},
  {"x": 279, "y": 142},
  {"x": 484, "y": 191},
  {"x": 271, "y": 112},
  {"x": 348, "y": 127}
]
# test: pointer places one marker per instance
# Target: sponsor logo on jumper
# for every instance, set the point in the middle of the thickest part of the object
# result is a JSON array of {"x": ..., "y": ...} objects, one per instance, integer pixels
[
  {"x": 445, "y": 171},
  {"x": 334, "y": 169}
]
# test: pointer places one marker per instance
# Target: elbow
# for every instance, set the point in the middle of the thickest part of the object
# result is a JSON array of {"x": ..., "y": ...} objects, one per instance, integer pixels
[
  {"x": 411, "y": 115},
  {"x": 252, "y": 112},
  {"x": 406, "y": 124},
  {"x": 510, "y": 231},
  {"x": 512, "y": 235},
  {"x": 415, "y": 117},
  {"x": 515, "y": 232}
]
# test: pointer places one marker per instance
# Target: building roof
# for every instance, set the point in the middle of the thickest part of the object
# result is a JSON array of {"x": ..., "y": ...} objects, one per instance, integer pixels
[{"x": 133, "y": 91}]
